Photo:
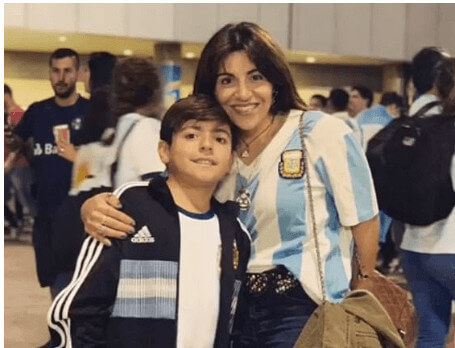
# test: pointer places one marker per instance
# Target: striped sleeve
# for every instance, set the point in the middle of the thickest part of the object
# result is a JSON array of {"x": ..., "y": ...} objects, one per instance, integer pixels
[
  {"x": 79, "y": 315},
  {"x": 343, "y": 167}
]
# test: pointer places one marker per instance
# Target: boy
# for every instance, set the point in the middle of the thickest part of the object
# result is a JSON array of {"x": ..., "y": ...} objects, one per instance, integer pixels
[{"x": 175, "y": 282}]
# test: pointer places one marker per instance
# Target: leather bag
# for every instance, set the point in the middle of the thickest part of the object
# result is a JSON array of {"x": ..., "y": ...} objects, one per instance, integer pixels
[
  {"x": 329, "y": 326},
  {"x": 399, "y": 308}
]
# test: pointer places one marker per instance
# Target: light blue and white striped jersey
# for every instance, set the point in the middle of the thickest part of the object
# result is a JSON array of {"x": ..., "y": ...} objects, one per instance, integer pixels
[
  {"x": 279, "y": 216},
  {"x": 372, "y": 121}
]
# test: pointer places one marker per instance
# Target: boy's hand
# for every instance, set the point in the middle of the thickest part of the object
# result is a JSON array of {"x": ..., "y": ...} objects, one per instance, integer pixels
[{"x": 102, "y": 218}]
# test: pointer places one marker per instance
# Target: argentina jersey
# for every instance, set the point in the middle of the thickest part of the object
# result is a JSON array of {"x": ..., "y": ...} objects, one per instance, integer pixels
[
  {"x": 278, "y": 217},
  {"x": 371, "y": 122}
]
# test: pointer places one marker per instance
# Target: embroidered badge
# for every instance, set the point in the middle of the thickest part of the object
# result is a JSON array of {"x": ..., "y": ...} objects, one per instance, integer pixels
[
  {"x": 143, "y": 236},
  {"x": 291, "y": 165},
  {"x": 76, "y": 123}
]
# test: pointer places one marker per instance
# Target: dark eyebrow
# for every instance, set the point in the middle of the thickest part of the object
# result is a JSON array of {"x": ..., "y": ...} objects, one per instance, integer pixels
[
  {"x": 196, "y": 127},
  {"x": 229, "y": 74},
  {"x": 223, "y": 73},
  {"x": 253, "y": 71},
  {"x": 223, "y": 130}
]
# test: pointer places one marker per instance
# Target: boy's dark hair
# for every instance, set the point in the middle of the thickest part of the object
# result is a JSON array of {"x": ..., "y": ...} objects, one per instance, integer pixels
[
  {"x": 339, "y": 99},
  {"x": 135, "y": 84},
  {"x": 197, "y": 107},
  {"x": 101, "y": 65},
  {"x": 63, "y": 53},
  {"x": 390, "y": 98},
  {"x": 262, "y": 50},
  {"x": 321, "y": 98},
  {"x": 432, "y": 67},
  {"x": 365, "y": 93}
]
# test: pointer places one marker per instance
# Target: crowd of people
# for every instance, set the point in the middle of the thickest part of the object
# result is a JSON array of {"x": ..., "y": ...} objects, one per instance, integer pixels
[{"x": 204, "y": 221}]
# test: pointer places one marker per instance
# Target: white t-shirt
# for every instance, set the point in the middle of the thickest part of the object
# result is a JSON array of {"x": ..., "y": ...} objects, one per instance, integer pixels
[
  {"x": 199, "y": 279},
  {"x": 91, "y": 167},
  {"x": 439, "y": 237},
  {"x": 139, "y": 154}
]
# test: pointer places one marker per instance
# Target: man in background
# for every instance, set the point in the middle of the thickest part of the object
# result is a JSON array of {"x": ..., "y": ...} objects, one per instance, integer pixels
[
  {"x": 13, "y": 110},
  {"x": 370, "y": 122},
  {"x": 318, "y": 102},
  {"x": 18, "y": 177},
  {"x": 60, "y": 115},
  {"x": 360, "y": 99},
  {"x": 377, "y": 117},
  {"x": 337, "y": 103}
]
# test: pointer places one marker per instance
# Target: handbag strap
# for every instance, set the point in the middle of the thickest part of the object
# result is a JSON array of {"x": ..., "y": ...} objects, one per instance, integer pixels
[
  {"x": 114, "y": 165},
  {"x": 312, "y": 215},
  {"x": 423, "y": 110}
]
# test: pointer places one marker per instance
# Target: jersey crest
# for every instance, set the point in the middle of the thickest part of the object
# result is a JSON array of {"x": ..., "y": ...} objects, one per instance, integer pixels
[{"x": 291, "y": 165}]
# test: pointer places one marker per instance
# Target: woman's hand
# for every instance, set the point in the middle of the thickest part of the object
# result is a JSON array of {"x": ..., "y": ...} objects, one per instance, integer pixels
[
  {"x": 102, "y": 218},
  {"x": 66, "y": 150}
]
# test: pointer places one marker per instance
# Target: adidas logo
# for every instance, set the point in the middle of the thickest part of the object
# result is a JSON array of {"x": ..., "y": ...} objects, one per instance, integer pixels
[{"x": 143, "y": 236}]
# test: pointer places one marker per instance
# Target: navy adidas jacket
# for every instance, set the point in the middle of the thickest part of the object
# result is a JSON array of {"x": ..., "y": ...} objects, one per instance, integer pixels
[{"x": 88, "y": 312}]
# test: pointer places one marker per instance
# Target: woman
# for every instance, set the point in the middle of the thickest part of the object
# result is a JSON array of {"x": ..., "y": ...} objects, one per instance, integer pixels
[
  {"x": 136, "y": 99},
  {"x": 244, "y": 69}
]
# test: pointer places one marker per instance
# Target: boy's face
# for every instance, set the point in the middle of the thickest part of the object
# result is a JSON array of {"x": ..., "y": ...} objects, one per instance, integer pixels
[{"x": 200, "y": 153}]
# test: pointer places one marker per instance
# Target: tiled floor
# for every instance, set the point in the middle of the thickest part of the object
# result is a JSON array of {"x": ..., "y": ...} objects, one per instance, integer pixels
[{"x": 26, "y": 304}]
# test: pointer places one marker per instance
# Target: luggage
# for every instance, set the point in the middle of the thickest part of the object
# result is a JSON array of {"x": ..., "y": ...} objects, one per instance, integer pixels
[{"x": 410, "y": 163}]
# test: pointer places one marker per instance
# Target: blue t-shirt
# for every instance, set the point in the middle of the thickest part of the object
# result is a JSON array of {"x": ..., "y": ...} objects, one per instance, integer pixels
[{"x": 52, "y": 172}]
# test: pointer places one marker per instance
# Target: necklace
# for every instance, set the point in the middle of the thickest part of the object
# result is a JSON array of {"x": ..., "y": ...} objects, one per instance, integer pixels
[
  {"x": 244, "y": 196},
  {"x": 246, "y": 152}
]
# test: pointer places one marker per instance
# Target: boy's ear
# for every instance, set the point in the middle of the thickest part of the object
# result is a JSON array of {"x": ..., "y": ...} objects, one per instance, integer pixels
[{"x": 163, "y": 151}]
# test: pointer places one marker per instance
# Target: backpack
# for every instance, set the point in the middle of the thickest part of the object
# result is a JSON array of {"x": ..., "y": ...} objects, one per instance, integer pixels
[{"x": 410, "y": 162}]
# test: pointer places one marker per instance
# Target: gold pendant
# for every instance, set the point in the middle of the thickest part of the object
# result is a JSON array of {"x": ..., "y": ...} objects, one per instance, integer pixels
[
  {"x": 245, "y": 154},
  {"x": 243, "y": 199}
]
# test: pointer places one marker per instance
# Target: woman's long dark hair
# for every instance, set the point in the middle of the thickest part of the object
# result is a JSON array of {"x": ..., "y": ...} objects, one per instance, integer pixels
[
  {"x": 98, "y": 117},
  {"x": 262, "y": 50}
]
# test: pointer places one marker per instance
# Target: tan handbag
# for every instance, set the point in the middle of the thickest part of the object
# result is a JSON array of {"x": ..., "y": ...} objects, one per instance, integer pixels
[{"x": 368, "y": 322}]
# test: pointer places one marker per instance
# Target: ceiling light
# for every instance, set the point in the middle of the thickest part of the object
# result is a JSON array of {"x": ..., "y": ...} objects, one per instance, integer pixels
[
  {"x": 190, "y": 55},
  {"x": 310, "y": 59},
  {"x": 62, "y": 38},
  {"x": 128, "y": 52}
]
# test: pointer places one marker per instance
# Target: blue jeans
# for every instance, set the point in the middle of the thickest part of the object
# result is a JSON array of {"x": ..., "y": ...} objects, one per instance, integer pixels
[
  {"x": 432, "y": 281},
  {"x": 22, "y": 180},
  {"x": 272, "y": 320}
]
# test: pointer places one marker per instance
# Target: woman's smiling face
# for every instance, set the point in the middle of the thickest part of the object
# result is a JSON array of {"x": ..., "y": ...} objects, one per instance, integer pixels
[{"x": 243, "y": 92}]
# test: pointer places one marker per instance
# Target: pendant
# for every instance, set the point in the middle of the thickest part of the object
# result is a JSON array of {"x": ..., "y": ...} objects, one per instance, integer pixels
[
  {"x": 243, "y": 199},
  {"x": 245, "y": 154}
]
